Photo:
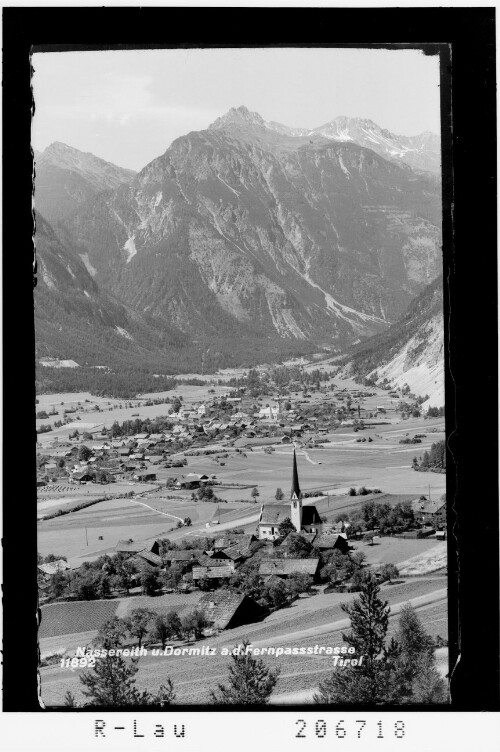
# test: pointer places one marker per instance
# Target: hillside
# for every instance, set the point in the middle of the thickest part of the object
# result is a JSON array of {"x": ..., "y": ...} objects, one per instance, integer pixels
[
  {"x": 66, "y": 178},
  {"x": 411, "y": 351},
  {"x": 243, "y": 232}
]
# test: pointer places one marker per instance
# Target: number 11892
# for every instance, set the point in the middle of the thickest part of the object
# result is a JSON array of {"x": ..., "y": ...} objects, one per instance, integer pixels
[{"x": 355, "y": 729}]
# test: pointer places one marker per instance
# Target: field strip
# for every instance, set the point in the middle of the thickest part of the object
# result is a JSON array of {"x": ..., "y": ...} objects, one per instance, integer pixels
[
  {"x": 418, "y": 602},
  {"x": 165, "y": 514},
  {"x": 241, "y": 522}
]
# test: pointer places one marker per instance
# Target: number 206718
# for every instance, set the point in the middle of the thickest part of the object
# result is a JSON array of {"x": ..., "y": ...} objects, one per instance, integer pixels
[{"x": 354, "y": 729}]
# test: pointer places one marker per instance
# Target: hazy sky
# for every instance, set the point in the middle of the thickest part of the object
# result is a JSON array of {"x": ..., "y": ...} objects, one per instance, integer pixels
[{"x": 128, "y": 106}]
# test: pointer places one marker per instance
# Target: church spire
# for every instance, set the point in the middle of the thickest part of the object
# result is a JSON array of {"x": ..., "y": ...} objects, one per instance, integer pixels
[{"x": 295, "y": 479}]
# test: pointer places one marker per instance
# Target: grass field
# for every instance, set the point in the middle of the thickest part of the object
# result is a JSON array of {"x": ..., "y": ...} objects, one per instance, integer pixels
[{"x": 315, "y": 620}]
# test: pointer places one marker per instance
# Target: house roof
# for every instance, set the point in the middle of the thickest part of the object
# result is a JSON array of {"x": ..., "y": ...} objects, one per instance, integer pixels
[
  {"x": 310, "y": 515},
  {"x": 54, "y": 566},
  {"x": 287, "y": 566},
  {"x": 428, "y": 506},
  {"x": 219, "y": 608},
  {"x": 150, "y": 557},
  {"x": 189, "y": 555},
  {"x": 212, "y": 572},
  {"x": 330, "y": 540}
]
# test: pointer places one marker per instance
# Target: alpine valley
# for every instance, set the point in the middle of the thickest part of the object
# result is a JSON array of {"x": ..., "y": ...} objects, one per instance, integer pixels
[{"x": 243, "y": 243}]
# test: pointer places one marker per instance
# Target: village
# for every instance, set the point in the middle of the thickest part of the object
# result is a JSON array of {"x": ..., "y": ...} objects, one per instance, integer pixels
[{"x": 219, "y": 507}]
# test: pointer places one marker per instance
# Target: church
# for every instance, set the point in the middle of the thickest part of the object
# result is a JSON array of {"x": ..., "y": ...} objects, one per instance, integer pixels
[{"x": 303, "y": 518}]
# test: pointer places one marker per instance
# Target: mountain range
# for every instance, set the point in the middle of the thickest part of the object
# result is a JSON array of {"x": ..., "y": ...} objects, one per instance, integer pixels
[{"x": 241, "y": 242}]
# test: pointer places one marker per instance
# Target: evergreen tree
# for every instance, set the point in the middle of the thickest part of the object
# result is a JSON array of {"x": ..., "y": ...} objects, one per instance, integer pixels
[
  {"x": 250, "y": 681},
  {"x": 417, "y": 675},
  {"x": 112, "y": 680},
  {"x": 373, "y": 681}
]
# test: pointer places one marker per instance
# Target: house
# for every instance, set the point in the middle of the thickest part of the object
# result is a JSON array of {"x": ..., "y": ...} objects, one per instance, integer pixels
[
  {"x": 194, "y": 480},
  {"x": 430, "y": 512},
  {"x": 124, "y": 451},
  {"x": 146, "y": 557},
  {"x": 84, "y": 477},
  {"x": 303, "y": 518},
  {"x": 285, "y": 567},
  {"x": 201, "y": 410},
  {"x": 335, "y": 541},
  {"x": 145, "y": 476},
  {"x": 136, "y": 547},
  {"x": 191, "y": 556},
  {"x": 226, "y": 610},
  {"x": 60, "y": 565},
  {"x": 268, "y": 413}
]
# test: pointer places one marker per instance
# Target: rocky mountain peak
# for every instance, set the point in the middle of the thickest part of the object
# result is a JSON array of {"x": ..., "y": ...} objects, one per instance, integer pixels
[{"x": 238, "y": 116}]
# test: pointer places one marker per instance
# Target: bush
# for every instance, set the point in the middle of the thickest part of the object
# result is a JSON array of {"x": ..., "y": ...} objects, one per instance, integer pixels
[{"x": 352, "y": 492}]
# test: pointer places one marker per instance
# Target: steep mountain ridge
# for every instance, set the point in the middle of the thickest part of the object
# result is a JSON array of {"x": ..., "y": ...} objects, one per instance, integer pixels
[
  {"x": 241, "y": 225},
  {"x": 411, "y": 351},
  {"x": 66, "y": 178},
  {"x": 421, "y": 152}
]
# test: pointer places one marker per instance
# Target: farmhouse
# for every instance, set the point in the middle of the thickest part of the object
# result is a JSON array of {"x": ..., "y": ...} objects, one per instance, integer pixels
[
  {"x": 135, "y": 547},
  {"x": 226, "y": 610},
  {"x": 303, "y": 518},
  {"x": 194, "y": 480},
  {"x": 145, "y": 476},
  {"x": 430, "y": 512},
  {"x": 331, "y": 540}
]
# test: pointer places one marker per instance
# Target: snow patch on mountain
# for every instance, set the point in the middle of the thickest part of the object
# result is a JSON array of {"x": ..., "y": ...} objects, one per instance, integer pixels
[
  {"x": 123, "y": 332},
  {"x": 85, "y": 258},
  {"x": 130, "y": 248}
]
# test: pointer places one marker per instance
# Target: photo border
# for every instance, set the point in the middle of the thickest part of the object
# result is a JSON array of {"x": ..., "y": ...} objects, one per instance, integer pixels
[{"x": 467, "y": 47}]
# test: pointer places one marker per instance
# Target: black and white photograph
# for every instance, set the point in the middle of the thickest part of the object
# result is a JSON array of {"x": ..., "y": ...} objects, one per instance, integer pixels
[
  {"x": 241, "y": 473},
  {"x": 250, "y": 448}
]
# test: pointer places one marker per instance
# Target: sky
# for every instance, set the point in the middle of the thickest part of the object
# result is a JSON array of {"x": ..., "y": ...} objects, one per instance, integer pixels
[{"x": 128, "y": 106}]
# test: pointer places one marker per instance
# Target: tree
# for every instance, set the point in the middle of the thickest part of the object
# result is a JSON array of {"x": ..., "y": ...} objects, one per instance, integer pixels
[
  {"x": 254, "y": 493},
  {"x": 277, "y": 594},
  {"x": 372, "y": 682},
  {"x": 193, "y": 624},
  {"x": 417, "y": 675},
  {"x": 298, "y": 546},
  {"x": 161, "y": 630},
  {"x": 149, "y": 581},
  {"x": 299, "y": 582},
  {"x": 84, "y": 453},
  {"x": 250, "y": 681},
  {"x": 389, "y": 572},
  {"x": 70, "y": 700},
  {"x": 139, "y": 621},
  {"x": 286, "y": 527},
  {"x": 112, "y": 631},
  {"x": 174, "y": 624},
  {"x": 111, "y": 682},
  {"x": 279, "y": 495}
]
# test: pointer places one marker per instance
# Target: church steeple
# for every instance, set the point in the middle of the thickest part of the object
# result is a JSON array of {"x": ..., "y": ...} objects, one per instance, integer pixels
[
  {"x": 296, "y": 497},
  {"x": 295, "y": 479}
]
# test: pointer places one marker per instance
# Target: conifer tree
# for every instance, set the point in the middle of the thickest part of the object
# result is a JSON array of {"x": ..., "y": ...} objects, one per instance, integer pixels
[{"x": 250, "y": 681}]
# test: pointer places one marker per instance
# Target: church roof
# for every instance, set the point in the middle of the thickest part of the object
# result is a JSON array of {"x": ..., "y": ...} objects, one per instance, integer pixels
[
  {"x": 310, "y": 516},
  {"x": 274, "y": 514}
]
